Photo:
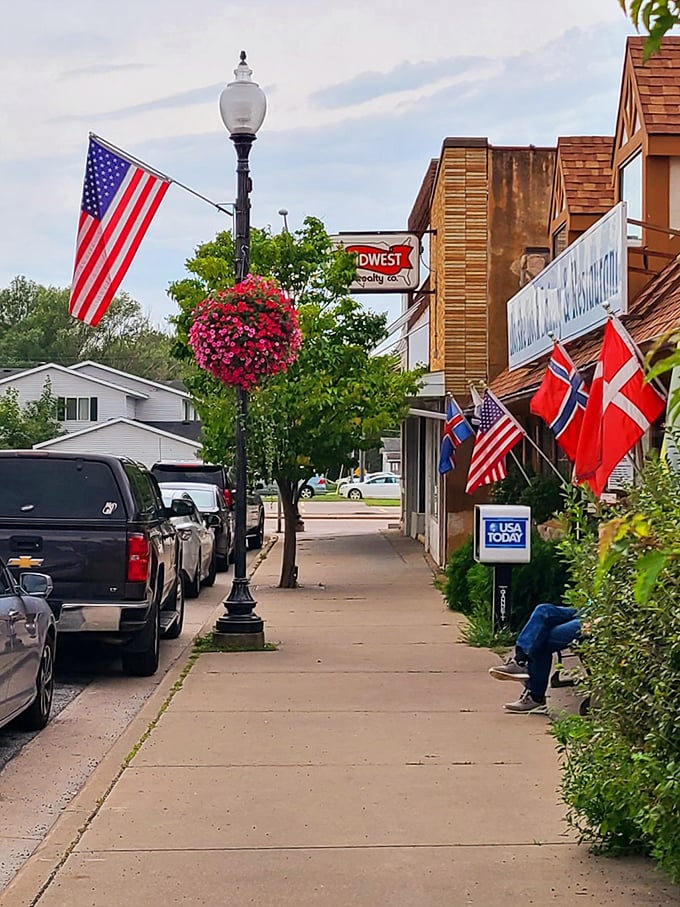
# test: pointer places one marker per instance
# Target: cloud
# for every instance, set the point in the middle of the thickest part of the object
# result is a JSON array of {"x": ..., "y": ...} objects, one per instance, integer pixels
[
  {"x": 405, "y": 77},
  {"x": 190, "y": 98},
  {"x": 102, "y": 69}
]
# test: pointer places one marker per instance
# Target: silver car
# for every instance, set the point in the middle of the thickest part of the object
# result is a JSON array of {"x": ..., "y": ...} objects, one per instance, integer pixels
[
  {"x": 28, "y": 636},
  {"x": 199, "y": 560}
]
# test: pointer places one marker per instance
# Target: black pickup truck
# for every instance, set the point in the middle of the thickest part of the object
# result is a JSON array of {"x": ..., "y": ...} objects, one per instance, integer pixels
[{"x": 97, "y": 525}]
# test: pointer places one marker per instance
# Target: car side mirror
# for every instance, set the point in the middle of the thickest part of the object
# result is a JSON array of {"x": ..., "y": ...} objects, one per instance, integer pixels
[
  {"x": 180, "y": 508},
  {"x": 212, "y": 520},
  {"x": 39, "y": 584}
]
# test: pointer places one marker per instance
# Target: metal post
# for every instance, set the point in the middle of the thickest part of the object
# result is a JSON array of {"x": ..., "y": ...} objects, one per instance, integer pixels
[
  {"x": 240, "y": 617},
  {"x": 502, "y": 596}
]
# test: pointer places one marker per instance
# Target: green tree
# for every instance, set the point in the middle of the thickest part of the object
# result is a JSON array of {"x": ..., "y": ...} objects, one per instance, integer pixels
[
  {"x": 657, "y": 17},
  {"x": 336, "y": 399},
  {"x": 35, "y": 327},
  {"x": 23, "y": 426}
]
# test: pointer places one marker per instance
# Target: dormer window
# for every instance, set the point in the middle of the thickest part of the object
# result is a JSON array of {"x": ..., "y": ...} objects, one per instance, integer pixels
[
  {"x": 188, "y": 411},
  {"x": 630, "y": 192}
]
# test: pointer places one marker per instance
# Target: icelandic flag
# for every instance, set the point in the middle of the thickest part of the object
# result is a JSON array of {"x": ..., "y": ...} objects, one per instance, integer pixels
[{"x": 456, "y": 430}]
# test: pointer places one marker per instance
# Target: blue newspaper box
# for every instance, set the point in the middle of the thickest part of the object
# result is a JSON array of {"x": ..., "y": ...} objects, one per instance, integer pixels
[{"x": 502, "y": 538}]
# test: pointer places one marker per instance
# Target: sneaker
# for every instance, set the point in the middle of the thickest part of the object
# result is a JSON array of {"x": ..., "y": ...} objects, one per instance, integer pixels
[
  {"x": 510, "y": 670},
  {"x": 526, "y": 704}
]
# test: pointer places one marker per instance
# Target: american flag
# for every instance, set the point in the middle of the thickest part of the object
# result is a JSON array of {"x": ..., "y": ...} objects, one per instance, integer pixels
[
  {"x": 498, "y": 433},
  {"x": 119, "y": 201}
]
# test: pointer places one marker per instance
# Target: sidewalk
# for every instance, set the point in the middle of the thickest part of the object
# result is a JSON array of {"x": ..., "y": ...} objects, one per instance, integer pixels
[{"x": 366, "y": 762}]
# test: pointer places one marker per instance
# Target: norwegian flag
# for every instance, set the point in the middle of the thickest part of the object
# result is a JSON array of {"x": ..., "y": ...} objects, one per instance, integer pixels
[
  {"x": 456, "y": 430},
  {"x": 119, "y": 201},
  {"x": 561, "y": 400},
  {"x": 498, "y": 433}
]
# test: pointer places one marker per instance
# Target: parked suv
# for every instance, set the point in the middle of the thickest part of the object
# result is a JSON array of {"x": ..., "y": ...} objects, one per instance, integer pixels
[
  {"x": 191, "y": 471},
  {"x": 97, "y": 525}
]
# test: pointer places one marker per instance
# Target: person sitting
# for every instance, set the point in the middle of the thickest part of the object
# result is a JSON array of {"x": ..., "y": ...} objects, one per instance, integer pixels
[{"x": 550, "y": 629}]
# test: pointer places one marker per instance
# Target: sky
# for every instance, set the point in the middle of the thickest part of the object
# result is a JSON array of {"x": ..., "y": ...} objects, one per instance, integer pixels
[{"x": 360, "y": 97}]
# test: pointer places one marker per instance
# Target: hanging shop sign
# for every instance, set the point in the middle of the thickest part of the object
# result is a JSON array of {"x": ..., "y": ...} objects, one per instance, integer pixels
[
  {"x": 566, "y": 298},
  {"x": 386, "y": 262}
]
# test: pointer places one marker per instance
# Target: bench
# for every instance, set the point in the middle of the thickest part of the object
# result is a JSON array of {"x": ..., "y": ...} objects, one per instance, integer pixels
[{"x": 557, "y": 680}]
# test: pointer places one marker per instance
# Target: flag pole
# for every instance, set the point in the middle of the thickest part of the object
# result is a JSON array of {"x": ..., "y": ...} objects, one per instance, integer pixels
[
  {"x": 520, "y": 467},
  {"x": 139, "y": 163}
]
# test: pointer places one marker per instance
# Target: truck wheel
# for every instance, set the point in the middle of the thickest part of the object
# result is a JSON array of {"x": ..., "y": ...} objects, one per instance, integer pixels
[
  {"x": 144, "y": 661},
  {"x": 256, "y": 539},
  {"x": 36, "y": 716},
  {"x": 176, "y": 603}
]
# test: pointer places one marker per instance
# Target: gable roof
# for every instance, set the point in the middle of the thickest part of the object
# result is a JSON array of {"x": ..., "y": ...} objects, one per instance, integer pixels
[
  {"x": 68, "y": 371},
  {"x": 114, "y": 371},
  {"x": 111, "y": 422},
  {"x": 584, "y": 165},
  {"x": 658, "y": 84},
  {"x": 646, "y": 321}
]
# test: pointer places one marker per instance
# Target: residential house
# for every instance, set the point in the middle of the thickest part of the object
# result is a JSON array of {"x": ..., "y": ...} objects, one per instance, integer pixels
[{"x": 106, "y": 410}]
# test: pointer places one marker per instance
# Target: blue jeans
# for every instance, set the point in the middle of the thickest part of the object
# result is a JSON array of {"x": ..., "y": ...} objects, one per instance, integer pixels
[{"x": 549, "y": 629}]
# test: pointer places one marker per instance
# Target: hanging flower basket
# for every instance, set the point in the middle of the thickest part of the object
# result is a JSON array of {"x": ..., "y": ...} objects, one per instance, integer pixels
[{"x": 246, "y": 333}]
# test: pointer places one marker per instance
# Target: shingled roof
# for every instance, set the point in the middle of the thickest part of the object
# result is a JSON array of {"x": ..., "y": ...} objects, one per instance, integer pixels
[
  {"x": 654, "y": 312},
  {"x": 585, "y": 164},
  {"x": 658, "y": 84}
]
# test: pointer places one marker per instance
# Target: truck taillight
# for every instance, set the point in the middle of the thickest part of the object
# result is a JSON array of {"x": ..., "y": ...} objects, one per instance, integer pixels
[
  {"x": 228, "y": 498},
  {"x": 138, "y": 558}
]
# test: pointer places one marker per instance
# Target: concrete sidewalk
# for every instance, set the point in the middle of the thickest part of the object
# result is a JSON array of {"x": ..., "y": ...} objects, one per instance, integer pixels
[{"x": 367, "y": 761}]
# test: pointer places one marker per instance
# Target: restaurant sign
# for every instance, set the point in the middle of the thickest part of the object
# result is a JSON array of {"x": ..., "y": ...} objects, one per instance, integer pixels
[
  {"x": 566, "y": 298},
  {"x": 386, "y": 262}
]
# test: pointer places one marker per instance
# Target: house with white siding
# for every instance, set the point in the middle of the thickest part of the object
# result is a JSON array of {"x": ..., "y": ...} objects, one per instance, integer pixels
[{"x": 103, "y": 409}]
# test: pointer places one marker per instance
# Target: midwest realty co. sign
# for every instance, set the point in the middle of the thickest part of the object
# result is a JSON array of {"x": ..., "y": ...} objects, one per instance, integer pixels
[
  {"x": 386, "y": 262},
  {"x": 566, "y": 298}
]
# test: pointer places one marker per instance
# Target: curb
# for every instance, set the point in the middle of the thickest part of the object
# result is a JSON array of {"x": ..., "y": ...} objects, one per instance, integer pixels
[{"x": 38, "y": 872}]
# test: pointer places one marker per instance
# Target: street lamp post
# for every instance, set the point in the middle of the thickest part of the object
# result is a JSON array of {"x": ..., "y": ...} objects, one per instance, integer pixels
[{"x": 243, "y": 107}]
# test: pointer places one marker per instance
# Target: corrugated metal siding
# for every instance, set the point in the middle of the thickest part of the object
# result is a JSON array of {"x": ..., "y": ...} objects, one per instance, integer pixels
[
  {"x": 162, "y": 405},
  {"x": 129, "y": 441}
]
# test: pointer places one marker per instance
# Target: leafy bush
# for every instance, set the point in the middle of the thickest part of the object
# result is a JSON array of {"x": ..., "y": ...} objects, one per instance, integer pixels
[
  {"x": 545, "y": 494},
  {"x": 621, "y": 775},
  {"x": 468, "y": 587}
]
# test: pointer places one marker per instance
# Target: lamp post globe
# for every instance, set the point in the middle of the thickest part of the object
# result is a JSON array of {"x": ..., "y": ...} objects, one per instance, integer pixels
[{"x": 243, "y": 106}]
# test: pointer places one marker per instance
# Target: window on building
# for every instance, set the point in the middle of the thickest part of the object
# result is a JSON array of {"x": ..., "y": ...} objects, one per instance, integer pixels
[
  {"x": 188, "y": 411},
  {"x": 630, "y": 192},
  {"x": 559, "y": 241},
  {"x": 77, "y": 409}
]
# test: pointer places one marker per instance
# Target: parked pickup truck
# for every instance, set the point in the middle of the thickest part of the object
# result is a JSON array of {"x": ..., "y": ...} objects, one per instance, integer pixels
[{"x": 97, "y": 525}]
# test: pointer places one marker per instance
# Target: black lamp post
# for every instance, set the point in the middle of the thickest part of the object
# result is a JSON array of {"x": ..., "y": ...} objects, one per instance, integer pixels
[{"x": 243, "y": 107}]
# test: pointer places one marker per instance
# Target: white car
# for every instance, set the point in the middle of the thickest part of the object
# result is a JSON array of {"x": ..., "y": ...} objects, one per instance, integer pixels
[
  {"x": 199, "y": 561},
  {"x": 379, "y": 485}
]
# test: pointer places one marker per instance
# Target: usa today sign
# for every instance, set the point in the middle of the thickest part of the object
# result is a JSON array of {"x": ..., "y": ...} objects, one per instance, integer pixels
[
  {"x": 502, "y": 534},
  {"x": 566, "y": 298}
]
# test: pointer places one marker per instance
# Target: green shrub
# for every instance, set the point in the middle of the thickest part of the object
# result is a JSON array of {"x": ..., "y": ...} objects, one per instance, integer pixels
[
  {"x": 468, "y": 586},
  {"x": 621, "y": 775},
  {"x": 545, "y": 494}
]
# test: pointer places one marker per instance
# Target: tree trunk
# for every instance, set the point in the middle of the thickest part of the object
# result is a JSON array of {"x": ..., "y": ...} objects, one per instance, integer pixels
[{"x": 290, "y": 521}]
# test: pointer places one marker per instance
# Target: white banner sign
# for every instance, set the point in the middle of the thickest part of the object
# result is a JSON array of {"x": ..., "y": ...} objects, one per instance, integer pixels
[
  {"x": 566, "y": 297},
  {"x": 386, "y": 262}
]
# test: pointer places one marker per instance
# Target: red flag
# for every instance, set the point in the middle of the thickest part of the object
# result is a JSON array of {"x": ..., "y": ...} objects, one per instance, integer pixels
[
  {"x": 620, "y": 409},
  {"x": 118, "y": 204},
  {"x": 561, "y": 400},
  {"x": 498, "y": 433}
]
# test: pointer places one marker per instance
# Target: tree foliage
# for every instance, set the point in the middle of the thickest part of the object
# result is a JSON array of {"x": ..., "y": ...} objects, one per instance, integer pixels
[
  {"x": 657, "y": 17},
  {"x": 35, "y": 327},
  {"x": 23, "y": 426},
  {"x": 336, "y": 399}
]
